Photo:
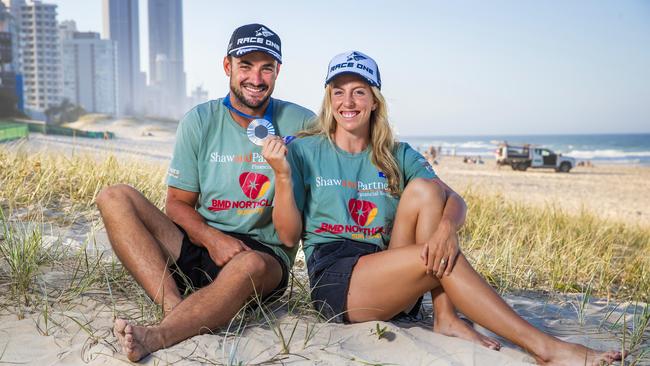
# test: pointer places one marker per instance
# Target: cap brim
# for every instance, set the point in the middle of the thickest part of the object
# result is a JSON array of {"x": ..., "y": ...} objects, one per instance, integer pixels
[
  {"x": 368, "y": 80},
  {"x": 238, "y": 52}
]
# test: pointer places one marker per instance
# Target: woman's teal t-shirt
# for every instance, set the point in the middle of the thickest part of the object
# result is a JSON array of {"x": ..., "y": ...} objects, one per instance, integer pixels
[{"x": 343, "y": 195}]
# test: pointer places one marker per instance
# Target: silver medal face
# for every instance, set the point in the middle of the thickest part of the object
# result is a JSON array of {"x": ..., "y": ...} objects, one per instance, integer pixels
[{"x": 258, "y": 130}]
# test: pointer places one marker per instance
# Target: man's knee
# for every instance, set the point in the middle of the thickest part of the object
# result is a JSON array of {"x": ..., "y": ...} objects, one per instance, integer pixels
[
  {"x": 424, "y": 191},
  {"x": 251, "y": 264},
  {"x": 112, "y": 194}
]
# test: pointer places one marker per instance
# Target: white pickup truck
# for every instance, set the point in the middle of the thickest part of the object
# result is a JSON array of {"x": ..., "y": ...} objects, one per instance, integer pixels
[{"x": 522, "y": 157}]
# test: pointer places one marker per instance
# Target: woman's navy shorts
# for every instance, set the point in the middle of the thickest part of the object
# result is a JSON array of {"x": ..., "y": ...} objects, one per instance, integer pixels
[{"x": 330, "y": 268}]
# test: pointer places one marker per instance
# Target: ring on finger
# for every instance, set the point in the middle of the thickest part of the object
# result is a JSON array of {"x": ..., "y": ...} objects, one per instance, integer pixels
[{"x": 443, "y": 261}]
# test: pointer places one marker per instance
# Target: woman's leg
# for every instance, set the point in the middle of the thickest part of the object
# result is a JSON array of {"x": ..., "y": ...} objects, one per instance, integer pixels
[
  {"x": 385, "y": 283},
  {"x": 417, "y": 218}
]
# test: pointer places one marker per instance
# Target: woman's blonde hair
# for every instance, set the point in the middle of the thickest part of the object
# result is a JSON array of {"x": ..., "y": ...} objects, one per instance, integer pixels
[{"x": 382, "y": 140}]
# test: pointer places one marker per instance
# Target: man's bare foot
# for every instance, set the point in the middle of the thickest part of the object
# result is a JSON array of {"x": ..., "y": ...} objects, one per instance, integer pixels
[
  {"x": 136, "y": 341},
  {"x": 567, "y": 354},
  {"x": 455, "y": 327}
]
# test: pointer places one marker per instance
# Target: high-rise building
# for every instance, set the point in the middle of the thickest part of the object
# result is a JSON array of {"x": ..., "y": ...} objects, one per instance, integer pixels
[
  {"x": 8, "y": 97},
  {"x": 67, "y": 28},
  {"x": 199, "y": 95},
  {"x": 11, "y": 25},
  {"x": 40, "y": 61},
  {"x": 89, "y": 70},
  {"x": 13, "y": 5},
  {"x": 121, "y": 24},
  {"x": 166, "y": 66}
]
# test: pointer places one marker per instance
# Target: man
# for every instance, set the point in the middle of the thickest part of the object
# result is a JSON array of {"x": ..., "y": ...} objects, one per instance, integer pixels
[{"x": 217, "y": 233}]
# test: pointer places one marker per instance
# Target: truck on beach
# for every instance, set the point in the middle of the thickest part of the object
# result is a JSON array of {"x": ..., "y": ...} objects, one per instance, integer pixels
[{"x": 522, "y": 157}]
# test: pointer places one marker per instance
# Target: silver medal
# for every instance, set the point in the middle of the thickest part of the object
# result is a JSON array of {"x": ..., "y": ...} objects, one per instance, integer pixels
[{"x": 258, "y": 130}]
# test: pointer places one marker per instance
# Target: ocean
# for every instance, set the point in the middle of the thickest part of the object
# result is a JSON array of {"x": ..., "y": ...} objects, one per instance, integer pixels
[{"x": 631, "y": 149}]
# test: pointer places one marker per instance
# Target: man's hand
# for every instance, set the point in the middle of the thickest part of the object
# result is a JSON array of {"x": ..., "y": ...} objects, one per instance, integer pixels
[
  {"x": 274, "y": 152},
  {"x": 440, "y": 251},
  {"x": 222, "y": 248}
]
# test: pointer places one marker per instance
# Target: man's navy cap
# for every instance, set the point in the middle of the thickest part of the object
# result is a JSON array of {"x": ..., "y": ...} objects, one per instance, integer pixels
[
  {"x": 255, "y": 37},
  {"x": 354, "y": 62}
]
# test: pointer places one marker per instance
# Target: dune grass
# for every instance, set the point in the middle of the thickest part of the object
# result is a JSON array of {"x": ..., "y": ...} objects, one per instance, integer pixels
[
  {"x": 516, "y": 246},
  {"x": 68, "y": 185},
  {"x": 513, "y": 245}
]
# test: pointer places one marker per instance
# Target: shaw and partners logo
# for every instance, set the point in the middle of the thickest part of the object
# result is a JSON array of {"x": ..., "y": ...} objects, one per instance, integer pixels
[
  {"x": 256, "y": 159},
  {"x": 254, "y": 186},
  {"x": 363, "y": 213},
  {"x": 358, "y": 185}
]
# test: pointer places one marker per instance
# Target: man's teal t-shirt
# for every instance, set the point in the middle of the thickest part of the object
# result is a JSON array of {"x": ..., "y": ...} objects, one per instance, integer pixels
[
  {"x": 343, "y": 195},
  {"x": 214, "y": 157}
]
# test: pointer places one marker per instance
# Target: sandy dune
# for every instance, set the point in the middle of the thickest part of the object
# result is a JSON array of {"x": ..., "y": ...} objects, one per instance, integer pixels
[{"x": 616, "y": 192}]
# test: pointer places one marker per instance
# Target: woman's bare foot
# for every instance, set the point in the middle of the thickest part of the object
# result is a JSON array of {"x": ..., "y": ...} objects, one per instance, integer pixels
[
  {"x": 136, "y": 341},
  {"x": 453, "y": 326},
  {"x": 567, "y": 354}
]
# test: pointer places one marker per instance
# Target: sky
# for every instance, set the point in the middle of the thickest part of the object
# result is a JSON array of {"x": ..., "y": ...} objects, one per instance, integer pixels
[{"x": 448, "y": 67}]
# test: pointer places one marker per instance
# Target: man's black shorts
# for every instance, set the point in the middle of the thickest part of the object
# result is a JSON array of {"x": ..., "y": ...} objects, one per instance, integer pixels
[{"x": 195, "y": 269}]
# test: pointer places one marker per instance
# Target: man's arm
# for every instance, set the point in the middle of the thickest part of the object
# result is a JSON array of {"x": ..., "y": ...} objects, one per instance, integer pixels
[{"x": 181, "y": 209}]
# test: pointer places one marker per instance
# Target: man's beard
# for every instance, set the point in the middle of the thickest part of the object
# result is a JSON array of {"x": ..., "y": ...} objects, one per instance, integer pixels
[{"x": 237, "y": 92}]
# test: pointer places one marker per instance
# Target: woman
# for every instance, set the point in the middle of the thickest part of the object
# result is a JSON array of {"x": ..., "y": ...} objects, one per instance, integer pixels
[{"x": 358, "y": 192}]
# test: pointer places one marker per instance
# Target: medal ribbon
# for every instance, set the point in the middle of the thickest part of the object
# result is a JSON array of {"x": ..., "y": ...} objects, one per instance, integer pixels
[{"x": 268, "y": 114}]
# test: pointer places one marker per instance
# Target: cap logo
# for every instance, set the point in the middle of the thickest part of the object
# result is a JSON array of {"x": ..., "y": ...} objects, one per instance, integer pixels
[
  {"x": 354, "y": 62},
  {"x": 356, "y": 57},
  {"x": 263, "y": 32}
]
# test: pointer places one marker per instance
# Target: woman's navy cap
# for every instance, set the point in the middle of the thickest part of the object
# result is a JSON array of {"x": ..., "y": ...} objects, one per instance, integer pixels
[
  {"x": 254, "y": 37},
  {"x": 354, "y": 62}
]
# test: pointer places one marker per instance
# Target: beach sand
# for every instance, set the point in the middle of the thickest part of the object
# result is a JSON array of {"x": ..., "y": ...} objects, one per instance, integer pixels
[
  {"x": 79, "y": 332},
  {"x": 616, "y": 192}
]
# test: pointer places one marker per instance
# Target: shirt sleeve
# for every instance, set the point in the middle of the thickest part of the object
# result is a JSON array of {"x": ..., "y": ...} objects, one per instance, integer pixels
[
  {"x": 415, "y": 165},
  {"x": 297, "y": 178},
  {"x": 183, "y": 170},
  {"x": 310, "y": 118}
]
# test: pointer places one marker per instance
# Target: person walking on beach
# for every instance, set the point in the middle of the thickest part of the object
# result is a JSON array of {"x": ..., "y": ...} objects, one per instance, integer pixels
[
  {"x": 217, "y": 233},
  {"x": 380, "y": 228}
]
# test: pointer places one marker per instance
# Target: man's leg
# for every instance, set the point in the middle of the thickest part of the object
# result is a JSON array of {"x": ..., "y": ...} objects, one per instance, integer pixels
[
  {"x": 144, "y": 239},
  {"x": 418, "y": 214},
  {"x": 213, "y": 306}
]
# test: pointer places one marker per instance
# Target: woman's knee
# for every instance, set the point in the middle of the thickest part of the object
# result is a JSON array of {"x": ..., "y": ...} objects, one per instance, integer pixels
[{"x": 422, "y": 191}]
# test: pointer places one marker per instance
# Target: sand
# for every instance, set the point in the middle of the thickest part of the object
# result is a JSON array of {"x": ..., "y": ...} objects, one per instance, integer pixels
[
  {"x": 593, "y": 322},
  {"x": 616, "y": 192}
]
